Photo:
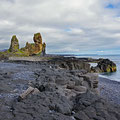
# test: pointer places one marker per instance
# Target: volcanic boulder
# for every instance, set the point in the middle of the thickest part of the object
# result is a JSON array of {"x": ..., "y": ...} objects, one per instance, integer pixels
[{"x": 106, "y": 65}]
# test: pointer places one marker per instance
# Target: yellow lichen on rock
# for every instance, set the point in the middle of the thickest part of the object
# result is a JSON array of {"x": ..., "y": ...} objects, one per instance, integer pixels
[
  {"x": 108, "y": 69},
  {"x": 36, "y": 48},
  {"x": 105, "y": 65},
  {"x": 38, "y": 43},
  {"x": 114, "y": 68}
]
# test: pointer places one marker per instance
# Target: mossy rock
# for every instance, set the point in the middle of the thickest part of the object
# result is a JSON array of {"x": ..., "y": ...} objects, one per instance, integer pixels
[
  {"x": 37, "y": 35},
  {"x": 30, "y": 49},
  {"x": 114, "y": 68},
  {"x": 14, "y": 47},
  {"x": 105, "y": 65},
  {"x": 37, "y": 38}
]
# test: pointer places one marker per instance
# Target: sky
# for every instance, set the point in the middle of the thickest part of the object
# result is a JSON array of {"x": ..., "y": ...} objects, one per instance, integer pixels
[{"x": 67, "y": 26}]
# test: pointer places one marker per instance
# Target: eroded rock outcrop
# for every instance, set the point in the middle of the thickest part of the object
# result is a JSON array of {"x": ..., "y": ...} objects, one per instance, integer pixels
[
  {"x": 14, "y": 47},
  {"x": 35, "y": 48},
  {"x": 70, "y": 63},
  {"x": 38, "y": 43}
]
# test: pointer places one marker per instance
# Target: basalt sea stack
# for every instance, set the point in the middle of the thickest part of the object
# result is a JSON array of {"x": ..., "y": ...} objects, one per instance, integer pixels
[
  {"x": 14, "y": 47},
  {"x": 37, "y": 48}
]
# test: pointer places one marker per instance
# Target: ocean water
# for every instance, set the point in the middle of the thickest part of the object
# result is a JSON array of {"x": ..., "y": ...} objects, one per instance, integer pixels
[{"x": 115, "y": 58}]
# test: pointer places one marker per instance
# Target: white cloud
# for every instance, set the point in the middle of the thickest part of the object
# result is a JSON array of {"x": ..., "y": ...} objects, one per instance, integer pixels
[
  {"x": 100, "y": 51},
  {"x": 66, "y": 25},
  {"x": 75, "y": 31}
]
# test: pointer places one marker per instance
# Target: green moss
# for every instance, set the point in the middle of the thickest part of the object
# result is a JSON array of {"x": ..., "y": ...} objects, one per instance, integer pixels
[
  {"x": 8, "y": 50},
  {"x": 1, "y": 53},
  {"x": 21, "y": 53},
  {"x": 14, "y": 44},
  {"x": 29, "y": 49},
  {"x": 23, "y": 49},
  {"x": 32, "y": 45}
]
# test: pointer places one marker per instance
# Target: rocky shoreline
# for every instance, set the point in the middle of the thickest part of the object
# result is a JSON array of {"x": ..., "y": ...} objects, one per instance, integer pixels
[{"x": 67, "y": 90}]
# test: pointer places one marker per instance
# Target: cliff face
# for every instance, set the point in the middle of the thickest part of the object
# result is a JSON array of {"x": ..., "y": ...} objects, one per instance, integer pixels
[{"x": 36, "y": 48}]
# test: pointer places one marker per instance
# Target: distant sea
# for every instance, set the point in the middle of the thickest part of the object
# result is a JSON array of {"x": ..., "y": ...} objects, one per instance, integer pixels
[{"x": 115, "y": 58}]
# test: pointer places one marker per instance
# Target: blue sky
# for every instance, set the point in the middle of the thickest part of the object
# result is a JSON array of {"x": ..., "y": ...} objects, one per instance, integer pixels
[
  {"x": 113, "y": 5},
  {"x": 67, "y": 26}
]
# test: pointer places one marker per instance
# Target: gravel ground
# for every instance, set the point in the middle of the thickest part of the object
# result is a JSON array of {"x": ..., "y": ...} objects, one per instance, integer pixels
[{"x": 110, "y": 90}]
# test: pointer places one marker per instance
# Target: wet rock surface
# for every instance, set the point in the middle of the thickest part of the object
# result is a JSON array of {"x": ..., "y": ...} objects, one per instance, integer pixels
[
  {"x": 105, "y": 65},
  {"x": 65, "y": 94}
]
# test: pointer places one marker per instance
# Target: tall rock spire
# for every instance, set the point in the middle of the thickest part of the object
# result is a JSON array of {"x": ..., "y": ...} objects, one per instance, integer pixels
[{"x": 14, "y": 47}]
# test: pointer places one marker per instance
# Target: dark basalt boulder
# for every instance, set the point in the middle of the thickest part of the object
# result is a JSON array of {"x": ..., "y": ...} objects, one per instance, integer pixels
[
  {"x": 105, "y": 65},
  {"x": 90, "y": 106}
]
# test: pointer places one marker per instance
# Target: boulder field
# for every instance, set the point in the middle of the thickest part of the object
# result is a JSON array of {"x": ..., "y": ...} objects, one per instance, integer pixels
[{"x": 66, "y": 90}]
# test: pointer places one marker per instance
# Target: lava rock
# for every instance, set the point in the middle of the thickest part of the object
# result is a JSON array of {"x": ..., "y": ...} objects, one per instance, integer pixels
[
  {"x": 92, "y": 106},
  {"x": 106, "y": 65}
]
